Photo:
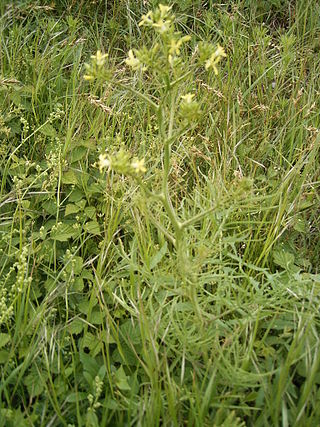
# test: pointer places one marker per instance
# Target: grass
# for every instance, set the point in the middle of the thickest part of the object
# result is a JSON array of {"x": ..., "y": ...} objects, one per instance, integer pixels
[{"x": 101, "y": 322}]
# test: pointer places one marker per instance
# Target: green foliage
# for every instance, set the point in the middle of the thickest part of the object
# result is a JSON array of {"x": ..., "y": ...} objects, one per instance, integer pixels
[{"x": 99, "y": 323}]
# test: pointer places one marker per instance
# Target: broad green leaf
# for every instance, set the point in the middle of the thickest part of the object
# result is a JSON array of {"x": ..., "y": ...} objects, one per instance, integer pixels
[
  {"x": 121, "y": 380},
  {"x": 34, "y": 384},
  {"x": 63, "y": 233},
  {"x": 76, "y": 397},
  {"x": 86, "y": 274},
  {"x": 90, "y": 211},
  {"x": 92, "y": 419},
  {"x": 75, "y": 265},
  {"x": 92, "y": 227},
  {"x": 76, "y": 195},
  {"x": 89, "y": 364},
  {"x": 50, "y": 284},
  {"x": 112, "y": 404},
  {"x": 69, "y": 177},
  {"x": 48, "y": 130},
  {"x": 71, "y": 209},
  {"x": 81, "y": 203},
  {"x": 88, "y": 377},
  {"x": 78, "y": 153},
  {"x": 4, "y": 339},
  {"x": 184, "y": 306},
  {"x": 283, "y": 258},
  {"x": 4, "y": 356},
  {"x": 90, "y": 341},
  {"x": 84, "y": 306},
  {"x": 96, "y": 317},
  {"x": 130, "y": 332},
  {"x": 77, "y": 285},
  {"x": 127, "y": 356},
  {"x": 50, "y": 206},
  {"x": 76, "y": 326}
]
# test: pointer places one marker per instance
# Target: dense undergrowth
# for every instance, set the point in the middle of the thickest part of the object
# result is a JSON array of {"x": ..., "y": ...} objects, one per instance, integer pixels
[{"x": 101, "y": 322}]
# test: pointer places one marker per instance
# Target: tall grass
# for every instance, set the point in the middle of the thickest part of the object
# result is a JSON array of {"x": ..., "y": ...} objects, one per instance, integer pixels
[{"x": 98, "y": 326}]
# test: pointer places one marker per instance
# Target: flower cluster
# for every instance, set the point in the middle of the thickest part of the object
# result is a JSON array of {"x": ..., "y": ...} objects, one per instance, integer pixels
[
  {"x": 190, "y": 110},
  {"x": 96, "y": 68},
  {"x": 210, "y": 56},
  {"x": 161, "y": 19},
  {"x": 175, "y": 47},
  {"x": 14, "y": 283},
  {"x": 121, "y": 163},
  {"x": 215, "y": 58}
]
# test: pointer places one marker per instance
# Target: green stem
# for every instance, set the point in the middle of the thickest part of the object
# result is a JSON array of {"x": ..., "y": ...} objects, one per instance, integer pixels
[
  {"x": 160, "y": 197},
  {"x": 165, "y": 199},
  {"x": 163, "y": 230}
]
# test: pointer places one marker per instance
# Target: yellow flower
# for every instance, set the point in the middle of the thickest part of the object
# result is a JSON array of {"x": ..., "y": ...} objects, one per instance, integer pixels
[
  {"x": 164, "y": 10},
  {"x": 175, "y": 45},
  {"x": 146, "y": 19},
  {"x": 133, "y": 61},
  {"x": 99, "y": 58},
  {"x": 162, "y": 25},
  {"x": 220, "y": 52},
  {"x": 88, "y": 77},
  {"x": 160, "y": 19},
  {"x": 138, "y": 166},
  {"x": 215, "y": 58},
  {"x": 104, "y": 162},
  {"x": 188, "y": 98}
]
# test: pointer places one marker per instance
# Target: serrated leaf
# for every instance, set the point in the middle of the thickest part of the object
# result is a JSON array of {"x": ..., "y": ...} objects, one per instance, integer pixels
[
  {"x": 48, "y": 130},
  {"x": 90, "y": 211},
  {"x": 15, "y": 97},
  {"x": 92, "y": 227},
  {"x": 88, "y": 377},
  {"x": 283, "y": 258},
  {"x": 81, "y": 203},
  {"x": 50, "y": 284},
  {"x": 130, "y": 332},
  {"x": 76, "y": 326},
  {"x": 76, "y": 195},
  {"x": 86, "y": 274},
  {"x": 96, "y": 317},
  {"x": 50, "y": 206},
  {"x": 184, "y": 306},
  {"x": 300, "y": 225},
  {"x": 63, "y": 233},
  {"x": 126, "y": 356},
  {"x": 84, "y": 306},
  {"x": 71, "y": 209},
  {"x": 112, "y": 404},
  {"x": 77, "y": 285},
  {"x": 92, "y": 419},
  {"x": 90, "y": 341},
  {"x": 69, "y": 177},
  {"x": 78, "y": 153}
]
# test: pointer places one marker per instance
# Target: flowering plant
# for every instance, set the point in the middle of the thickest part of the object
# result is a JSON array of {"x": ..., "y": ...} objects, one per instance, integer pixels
[{"x": 177, "y": 112}]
